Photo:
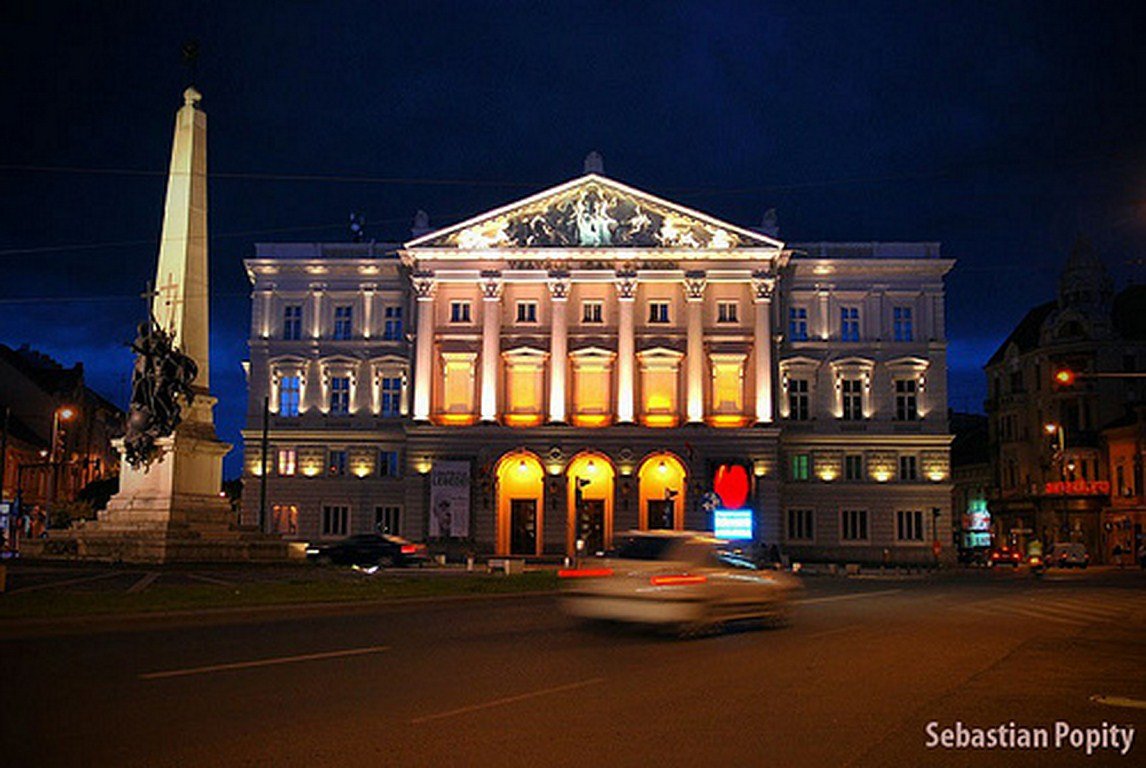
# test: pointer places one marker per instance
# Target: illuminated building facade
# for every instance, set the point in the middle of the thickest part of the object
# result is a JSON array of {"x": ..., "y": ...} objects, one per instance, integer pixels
[{"x": 594, "y": 359}]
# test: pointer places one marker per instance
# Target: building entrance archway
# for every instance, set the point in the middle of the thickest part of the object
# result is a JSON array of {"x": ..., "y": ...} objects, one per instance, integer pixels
[
  {"x": 591, "y": 480},
  {"x": 520, "y": 504},
  {"x": 663, "y": 489}
]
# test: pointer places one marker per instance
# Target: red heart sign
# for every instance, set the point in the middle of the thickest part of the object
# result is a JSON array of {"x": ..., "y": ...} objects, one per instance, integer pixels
[{"x": 731, "y": 485}]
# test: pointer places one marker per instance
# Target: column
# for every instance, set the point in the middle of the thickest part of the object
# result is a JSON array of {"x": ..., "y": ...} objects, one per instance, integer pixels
[
  {"x": 316, "y": 290},
  {"x": 267, "y": 309},
  {"x": 764, "y": 285},
  {"x": 490, "y": 343},
  {"x": 367, "y": 308},
  {"x": 424, "y": 353},
  {"x": 558, "y": 345},
  {"x": 694, "y": 283},
  {"x": 825, "y": 329},
  {"x": 626, "y": 345}
]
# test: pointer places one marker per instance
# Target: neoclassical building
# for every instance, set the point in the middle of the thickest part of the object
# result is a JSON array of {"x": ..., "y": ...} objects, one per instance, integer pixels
[{"x": 594, "y": 359}]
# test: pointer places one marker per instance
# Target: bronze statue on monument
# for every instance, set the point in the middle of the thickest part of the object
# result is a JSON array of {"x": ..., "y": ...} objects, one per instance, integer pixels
[{"x": 160, "y": 388}]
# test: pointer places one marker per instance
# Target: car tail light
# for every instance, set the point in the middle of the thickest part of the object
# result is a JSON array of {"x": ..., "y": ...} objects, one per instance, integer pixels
[
  {"x": 584, "y": 573},
  {"x": 1036, "y": 560},
  {"x": 409, "y": 549},
  {"x": 676, "y": 580}
]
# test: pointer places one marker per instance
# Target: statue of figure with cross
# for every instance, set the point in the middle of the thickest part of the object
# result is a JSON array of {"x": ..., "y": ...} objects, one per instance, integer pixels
[{"x": 160, "y": 388}]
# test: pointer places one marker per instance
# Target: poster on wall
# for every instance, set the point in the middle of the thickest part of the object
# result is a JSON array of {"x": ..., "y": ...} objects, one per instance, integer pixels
[{"x": 450, "y": 499}]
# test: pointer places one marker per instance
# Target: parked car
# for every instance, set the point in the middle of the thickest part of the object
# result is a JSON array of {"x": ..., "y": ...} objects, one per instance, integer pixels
[
  {"x": 1069, "y": 555},
  {"x": 1005, "y": 556},
  {"x": 369, "y": 549},
  {"x": 680, "y": 580}
]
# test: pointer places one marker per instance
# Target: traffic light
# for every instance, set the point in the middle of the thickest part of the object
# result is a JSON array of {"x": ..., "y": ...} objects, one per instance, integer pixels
[{"x": 1064, "y": 377}]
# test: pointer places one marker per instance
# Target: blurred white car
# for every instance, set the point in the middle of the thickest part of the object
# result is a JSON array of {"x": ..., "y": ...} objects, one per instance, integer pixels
[
  {"x": 1069, "y": 555},
  {"x": 681, "y": 580}
]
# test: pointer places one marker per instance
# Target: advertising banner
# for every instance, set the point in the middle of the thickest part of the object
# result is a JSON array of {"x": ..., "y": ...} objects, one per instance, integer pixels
[{"x": 450, "y": 499}]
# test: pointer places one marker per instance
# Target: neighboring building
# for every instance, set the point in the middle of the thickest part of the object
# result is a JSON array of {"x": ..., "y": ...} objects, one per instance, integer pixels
[
  {"x": 971, "y": 480},
  {"x": 40, "y": 394},
  {"x": 1051, "y": 477},
  {"x": 1124, "y": 520},
  {"x": 594, "y": 359}
]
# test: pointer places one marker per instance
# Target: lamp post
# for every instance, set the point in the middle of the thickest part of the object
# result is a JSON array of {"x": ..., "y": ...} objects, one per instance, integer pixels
[
  {"x": 63, "y": 413},
  {"x": 1059, "y": 431}
]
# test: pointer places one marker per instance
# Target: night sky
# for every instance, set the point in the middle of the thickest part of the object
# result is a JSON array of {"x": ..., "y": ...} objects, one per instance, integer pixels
[{"x": 1003, "y": 133}]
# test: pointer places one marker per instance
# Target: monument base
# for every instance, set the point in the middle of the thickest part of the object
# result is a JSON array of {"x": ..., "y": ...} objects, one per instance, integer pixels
[{"x": 169, "y": 512}]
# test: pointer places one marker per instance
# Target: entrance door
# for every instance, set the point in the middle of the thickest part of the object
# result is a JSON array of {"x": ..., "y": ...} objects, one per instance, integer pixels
[
  {"x": 662, "y": 513},
  {"x": 523, "y": 526},
  {"x": 591, "y": 525}
]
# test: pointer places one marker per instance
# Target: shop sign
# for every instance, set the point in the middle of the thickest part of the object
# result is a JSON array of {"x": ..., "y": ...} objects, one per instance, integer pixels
[
  {"x": 732, "y": 524},
  {"x": 1079, "y": 488}
]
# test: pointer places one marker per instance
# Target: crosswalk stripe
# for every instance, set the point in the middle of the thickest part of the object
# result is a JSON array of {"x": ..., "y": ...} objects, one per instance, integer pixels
[
  {"x": 1085, "y": 609},
  {"x": 1048, "y": 617},
  {"x": 1070, "y": 611}
]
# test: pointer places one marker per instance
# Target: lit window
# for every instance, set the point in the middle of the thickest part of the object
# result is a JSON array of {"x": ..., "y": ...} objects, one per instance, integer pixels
[
  {"x": 852, "y": 394},
  {"x": 727, "y": 387},
  {"x": 901, "y": 317},
  {"x": 287, "y": 461},
  {"x": 392, "y": 330},
  {"x": 388, "y": 464},
  {"x": 391, "y": 395},
  {"x": 908, "y": 468},
  {"x": 801, "y": 466},
  {"x": 909, "y": 525},
  {"x": 592, "y": 391},
  {"x": 658, "y": 312},
  {"x": 798, "y": 324},
  {"x": 458, "y": 384},
  {"x": 853, "y": 525},
  {"x": 284, "y": 518},
  {"x": 339, "y": 395},
  {"x": 342, "y": 322},
  {"x": 592, "y": 312},
  {"x": 798, "y": 405},
  {"x": 524, "y": 389},
  {"x": 726, "y": 312},
  {"x": 336, "y": 463},
  {"x": 906, "y": 405},
  {"x": 388, "y": 520},
  {"x": 659, "y": 384},
  {"x": 853, "y": 467},
  {"x": 292, "y": 322},
  {"x": 335, "y": 520},
  {"x": 849, "y": 324},
  {"x": 289, "y": 388},
  {"x": 527, "y": 311},
  {"x": 459, "y": 312},
  {"x": 800, "y": 525}
]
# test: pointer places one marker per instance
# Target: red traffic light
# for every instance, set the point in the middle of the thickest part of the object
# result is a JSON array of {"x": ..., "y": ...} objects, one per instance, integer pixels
[{"x": 1064, "y": 377}]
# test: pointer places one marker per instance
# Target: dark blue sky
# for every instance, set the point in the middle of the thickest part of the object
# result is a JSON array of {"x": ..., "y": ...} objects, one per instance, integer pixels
[{"x": 1002, "y": 132}]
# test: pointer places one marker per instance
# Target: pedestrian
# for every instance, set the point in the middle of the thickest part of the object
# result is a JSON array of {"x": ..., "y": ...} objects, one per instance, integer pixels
[
  {"x": 1117, "y": 552},
  {"x": 1142, "y": 555}
]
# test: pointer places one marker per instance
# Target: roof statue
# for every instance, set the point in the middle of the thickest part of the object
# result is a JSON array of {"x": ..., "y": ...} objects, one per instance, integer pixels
[
  {"x": 770, "y": 224},
  {"x": 594, "y": 162},
  {"x": 421, "y": 224}
]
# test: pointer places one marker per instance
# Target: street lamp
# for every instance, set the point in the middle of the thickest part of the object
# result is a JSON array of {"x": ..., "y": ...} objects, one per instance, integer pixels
[
  {"x": 1057, "y": 429},
  {"x": 63, "y": 413}
]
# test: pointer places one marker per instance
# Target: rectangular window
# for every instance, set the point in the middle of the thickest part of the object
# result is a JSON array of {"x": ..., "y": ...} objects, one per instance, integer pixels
[
  {"x": 726, "y": 312},
  {"x": 459, "y": 312},
  {"x": 336, "y": 462},
  {"x": 853, "y": 525},
  {"x": 335, "y": 521},
  {"x": 292, "y": 322},
  {"x": 342, "y": 322},
  {"x": 852, "y": 394},
  {"x": 901, "y": 322},
  {"x": 339, "y": 395},
  {"x": 800, "y": 525},
  {"x": 798, "y": 407},
  {"x": 284, "y": 518},
  {"x": 592, "y": 312},
  {"x": 391, "y": 395},
  {"x": 392, "y": 329},
  {"x": 798, "y": 324},
  {"x": 853, "y": 467},
  {"x": 458, "y": 390},
  {"x": 289, "y": 389},
  {"x": 849, "y": 324},
  {"x": 906, "y": 406},
  {"x": 908, "y": 468},
  {"x": 388, "y": 520},
  {"x": 388, "y": 464},
  {"x": 288, "y": 459},
  {"x": 527, "y": 311},
  {"x": 909, "y": 525},
  {"x": 801, "y": 466},
  {"x": 658, "y": 312}
]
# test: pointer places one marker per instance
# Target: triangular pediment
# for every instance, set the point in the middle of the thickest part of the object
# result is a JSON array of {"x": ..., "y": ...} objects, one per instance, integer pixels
[{"x": 593, "y": 212}]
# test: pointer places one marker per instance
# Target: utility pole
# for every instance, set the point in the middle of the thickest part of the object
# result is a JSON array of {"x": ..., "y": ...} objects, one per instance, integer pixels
[
  {"x": 4, "y": 450},
  {"x": 264, "y": 449}
]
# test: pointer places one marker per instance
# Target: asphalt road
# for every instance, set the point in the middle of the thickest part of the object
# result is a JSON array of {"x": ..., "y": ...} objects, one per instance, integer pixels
[{"x": 855, "y": 680}]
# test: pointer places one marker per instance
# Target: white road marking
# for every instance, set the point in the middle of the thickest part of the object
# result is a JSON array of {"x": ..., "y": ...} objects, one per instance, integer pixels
[
  {"x": 263, "y": 662},
  {"x": 1094, "y": 614},
  {"x": 143, "y": 583},
  {"x": 507, "y": 700},
  {"x": 1043, "y": 616},
  {"x": 1118, "y": 701},
  {"x": 66, "y": 582},
  {"x": 210, "y": 580},
  {"x": 838, "y": 598},
  {"x": 835, "y": 631}
]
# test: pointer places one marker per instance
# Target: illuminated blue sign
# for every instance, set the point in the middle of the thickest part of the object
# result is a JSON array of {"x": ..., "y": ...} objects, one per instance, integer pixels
[{"x": 732, "y": 523}]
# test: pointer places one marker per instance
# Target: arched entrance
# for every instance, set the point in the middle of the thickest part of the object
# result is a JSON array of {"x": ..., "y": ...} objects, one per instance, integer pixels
[
  {"x": 520, "y": 503},
  {"x": 590, "y": 519},
  {"x": 663, "y": 485}
]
